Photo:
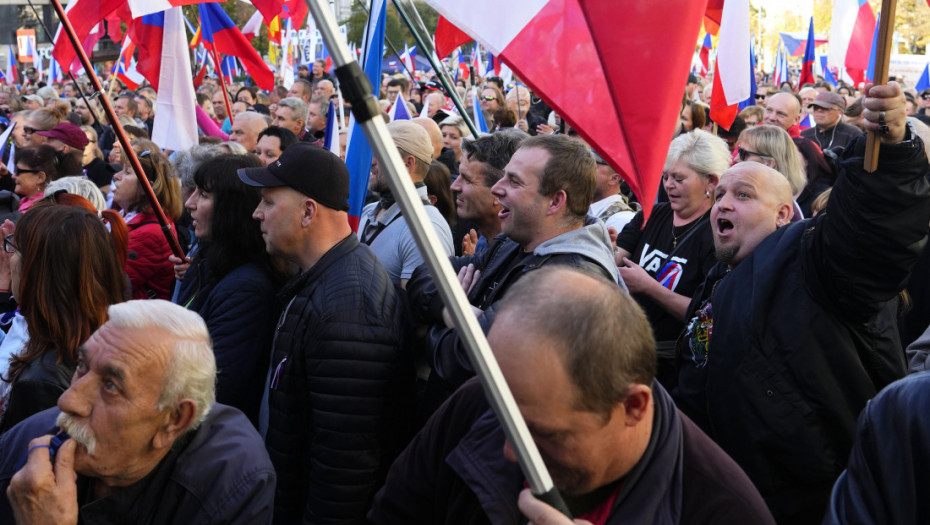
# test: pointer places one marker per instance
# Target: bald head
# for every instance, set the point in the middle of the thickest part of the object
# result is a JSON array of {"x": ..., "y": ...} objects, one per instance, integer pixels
[
  {"x": 246, "y": 127},
  {"x": 782, "y": 110},
  {"x": 752, "y": 201},
  {"x": 435, "y": 135}
]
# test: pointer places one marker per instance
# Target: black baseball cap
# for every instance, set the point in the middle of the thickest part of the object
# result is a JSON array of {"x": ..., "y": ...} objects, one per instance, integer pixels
[{"x": 309, "y": 169}]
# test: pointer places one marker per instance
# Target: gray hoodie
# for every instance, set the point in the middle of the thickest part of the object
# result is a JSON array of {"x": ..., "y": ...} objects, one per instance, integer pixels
[{"x": 591, "y": 241}]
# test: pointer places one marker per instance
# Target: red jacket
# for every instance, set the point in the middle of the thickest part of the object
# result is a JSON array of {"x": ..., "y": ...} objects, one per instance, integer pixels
[{"x": 151, "y": 275}]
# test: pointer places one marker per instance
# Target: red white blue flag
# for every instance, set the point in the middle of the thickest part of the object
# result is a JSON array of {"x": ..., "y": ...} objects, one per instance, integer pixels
[{"x": 220, "y": 33}]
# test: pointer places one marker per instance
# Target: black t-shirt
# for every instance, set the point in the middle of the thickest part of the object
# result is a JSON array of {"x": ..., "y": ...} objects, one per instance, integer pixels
[{"x": 651, "y": 248}]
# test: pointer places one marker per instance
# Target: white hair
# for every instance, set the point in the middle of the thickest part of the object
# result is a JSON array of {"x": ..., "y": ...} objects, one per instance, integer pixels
[
  {"x": 702, "y": 151},
  {"x": 78, "y": 186},
  {"x": 191, "y": 372}
]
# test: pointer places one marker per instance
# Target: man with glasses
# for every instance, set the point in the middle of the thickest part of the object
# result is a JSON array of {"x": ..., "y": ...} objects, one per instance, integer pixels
[{"x": 830, "y": 131}]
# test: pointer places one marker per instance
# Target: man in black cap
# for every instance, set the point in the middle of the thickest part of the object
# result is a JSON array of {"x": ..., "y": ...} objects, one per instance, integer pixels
[
  {"x": 339, "y": 381},
  {"x": 830, "y": 132}
]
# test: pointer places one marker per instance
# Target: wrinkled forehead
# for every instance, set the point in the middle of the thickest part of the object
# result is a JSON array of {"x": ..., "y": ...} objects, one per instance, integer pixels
[
  {"x": 132, "y": 353},
  {"x": 765, "y": 181}
]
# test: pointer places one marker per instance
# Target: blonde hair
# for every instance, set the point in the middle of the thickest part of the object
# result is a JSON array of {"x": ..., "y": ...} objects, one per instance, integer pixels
[{"x": 775, "y": 143}]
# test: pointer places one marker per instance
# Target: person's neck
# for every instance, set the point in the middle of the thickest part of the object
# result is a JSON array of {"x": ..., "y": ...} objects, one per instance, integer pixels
[
  {"x": 827, "y": 127},
  {"x": 489, "y": 227},
  {"x": 549, "y": 235},
  {"x": 599, "y": 196},
  {"x": 322, "y": 242},
  {"x": 689, "y": 216}
]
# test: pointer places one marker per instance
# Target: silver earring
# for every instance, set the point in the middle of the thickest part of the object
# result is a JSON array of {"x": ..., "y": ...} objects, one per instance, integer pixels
[{"x": 707, "y": 193}]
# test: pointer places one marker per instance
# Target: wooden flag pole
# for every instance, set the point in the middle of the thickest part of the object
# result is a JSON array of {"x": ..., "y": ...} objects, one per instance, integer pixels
[
  {"x": 882, "y": 59},
  {"x": 129, "y": 153}
]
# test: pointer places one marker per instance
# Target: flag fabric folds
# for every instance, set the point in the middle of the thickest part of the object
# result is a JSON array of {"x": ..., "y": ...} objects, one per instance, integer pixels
[
  {"x": 781, "y": 67},
  {"x": 269, "y": 9},
  {"x": 478, "y": 116},
  {"x": 175, "y": 126},
  {"x": 84, "y": 16},
  {"x": 448, "y": 37},
  {"x": 221, "y": 34},
  {"x": 253, "y": 26},
  {"x": 705, "y": 55},
  {"x": 870, "y": 70},
  {"x": 827, "y": 74},
  {"x": 148, "y": 7},
  {"x": 399, "y": 110},
  {"x": 731, "y": 69},
  {"x": 358, "y": 151},
  {"x": 807, "y": 122},
  {"x": 807, "y": 67},
  {"x": 924, "y": 81},
  {"x": 9, "y": 73},
  {"x": 331, "y": 139},
  {"x": 587, "y": 39},
  {"x": 148, "y": 35},
  {"x": 751, "y": 100},
  {"x": 853, "y": 22}
]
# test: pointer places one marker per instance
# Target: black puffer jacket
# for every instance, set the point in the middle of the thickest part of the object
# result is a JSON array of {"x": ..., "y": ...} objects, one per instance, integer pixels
[
  {"x": 341, "y": 386},
  {"x": 802, "y": 333}
]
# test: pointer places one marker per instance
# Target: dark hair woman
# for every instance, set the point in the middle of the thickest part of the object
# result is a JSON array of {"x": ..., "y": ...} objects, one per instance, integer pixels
[
  {"x": 64, "y": 272},
  {"x": 231, "y": 282},
  {"x": 151, "y": 274},
  {"x": 820, "y": 175},
  {"x": 35, "y": 168}
]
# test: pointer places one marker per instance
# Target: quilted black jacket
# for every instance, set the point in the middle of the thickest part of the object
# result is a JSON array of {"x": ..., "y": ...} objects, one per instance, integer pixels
[{"x": 342, "y": 383}]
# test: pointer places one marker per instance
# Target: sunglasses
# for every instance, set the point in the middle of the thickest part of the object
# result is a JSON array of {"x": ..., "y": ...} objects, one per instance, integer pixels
[
  {"x": 22, "y": 170},
  {"x": 488, "y": 97},
  {"x": 760, "y": 96},
  {"x": 745, "y": 154},
  {"x": 28, "y": 131},
  {"x": 925, "y": 96}
]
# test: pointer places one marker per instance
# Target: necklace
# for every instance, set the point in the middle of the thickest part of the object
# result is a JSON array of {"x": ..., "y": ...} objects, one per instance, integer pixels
[{"x": 694, "y": 225}]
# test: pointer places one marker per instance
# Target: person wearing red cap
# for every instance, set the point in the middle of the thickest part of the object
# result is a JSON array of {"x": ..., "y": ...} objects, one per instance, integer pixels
[{"x": 71, "y": 141}]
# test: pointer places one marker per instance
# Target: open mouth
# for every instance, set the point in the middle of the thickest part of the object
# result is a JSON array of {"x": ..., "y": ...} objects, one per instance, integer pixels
[
  {"x": 724, "y": 226},
  {"x": 504, "y": 211}
]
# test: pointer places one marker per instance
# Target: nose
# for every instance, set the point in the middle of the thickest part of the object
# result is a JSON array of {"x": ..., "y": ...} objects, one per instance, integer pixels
[
  {"x": 76, "y": 399},
  {"x": 257, "y": 215},
  {"x": 189, "y": 203},
  {"x": 498, "y": 189}
]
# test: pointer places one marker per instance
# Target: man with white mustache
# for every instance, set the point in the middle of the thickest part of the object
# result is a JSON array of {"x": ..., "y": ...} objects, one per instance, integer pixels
[{"x": 148, "y": 444}]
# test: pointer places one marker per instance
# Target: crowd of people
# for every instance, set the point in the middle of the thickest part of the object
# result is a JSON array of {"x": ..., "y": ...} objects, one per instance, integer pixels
[{"x": 737, "y": 356}]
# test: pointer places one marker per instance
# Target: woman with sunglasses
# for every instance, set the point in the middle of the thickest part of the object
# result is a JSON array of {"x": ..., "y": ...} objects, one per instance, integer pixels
[
  {"x": 664, "y": 263},
  {"x": 42, "y": 119},
  {"x": 151, "y": 274},
  {"x": 231, "y": 281},
  {"x": 35, "y": 168},
  {"x": 772, "y": 146},
  {"x": 64, "y": 270},
  {"x": 453, "y": 129}
]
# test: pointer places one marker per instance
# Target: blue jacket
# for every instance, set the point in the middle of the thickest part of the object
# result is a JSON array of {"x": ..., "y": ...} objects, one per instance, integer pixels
[
  {"x": 888, "y": 475},
  {"x": 216, "y": 474},
  {"x": 240, "y": 311}
]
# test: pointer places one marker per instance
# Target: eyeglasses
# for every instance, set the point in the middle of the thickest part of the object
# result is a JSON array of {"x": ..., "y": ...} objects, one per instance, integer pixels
[
  {"x": 28, "y": 131},
  {"x": 8, "y": 245},
  {"x": 745, "y": 154},
  {"x": 760, "y": 96},
  {"x": 488, "y": 97},
  {"x": 925, "y": 96},
  {"x": 23, "y": 170}
]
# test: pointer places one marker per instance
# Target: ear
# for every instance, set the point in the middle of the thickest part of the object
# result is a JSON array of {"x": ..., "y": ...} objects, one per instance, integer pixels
[
  {"x": 783, "y": 214},
  {"x": 309, "y": 212},
  {"x": 711, "y": 182},
  {"x": 614, "y": 179},
  {"x": 769, "y": 161},
  {"x": 43, "y": 178},
  {"x": 410, "y": 163},
  {"x": 177, "y": 421},
  {"x": 432, "y": 199},
  {"x": 636, "y": 404},
  {"x": 558, "y": 201}
]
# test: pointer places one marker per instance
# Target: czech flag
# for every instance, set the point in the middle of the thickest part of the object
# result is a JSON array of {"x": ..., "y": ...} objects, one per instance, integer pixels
[
  {"x": 807, "y": 68},
  {"x": 870, "y": 71},
  {"x": 705, "y": 55},
  {"x": 269, "y": 9},
  {"x": 807, "y": 122},
  {"x": 9, "y": 74},
  {"x": 732, "y": 67},
  {"x": 851, "y": 38},
  {"x": 297, "y": 12},
  {"x": 462, "y": 70},
  {"x": 221, "y": 34},
  {"x": 175, "y": 125},
  {"x": 253, "y": 26},
  {"x": 148, "y": 34},
  {"x": 358, "y": 151},
  {"x": 331, "y": 139},
  {"x": 589, "y": 38},
  {"x": 398, "y": 111},
  {"x": 84, "y": 16}
]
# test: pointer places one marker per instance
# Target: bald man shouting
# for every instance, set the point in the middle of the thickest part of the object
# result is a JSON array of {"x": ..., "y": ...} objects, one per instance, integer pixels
[{"x": 793, "y": 330}]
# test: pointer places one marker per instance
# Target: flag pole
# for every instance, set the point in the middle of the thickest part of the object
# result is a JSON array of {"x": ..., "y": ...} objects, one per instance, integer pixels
[
  {"x": 443, "y": 75},
  {"x": 51, "y": 39},
  {"x": 882, "y": 60},
  {"x": 367, "y": 111},
  {"x": 219, "y": 69},
  {"x": 120, "y": 132}
]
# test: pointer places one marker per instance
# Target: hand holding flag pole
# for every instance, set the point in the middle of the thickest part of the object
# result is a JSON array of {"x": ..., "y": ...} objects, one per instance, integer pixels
[
  {"x": 882, "y": 60},
  {"x": 120, "y": 132},
  {"x": 357, "y": 90}
]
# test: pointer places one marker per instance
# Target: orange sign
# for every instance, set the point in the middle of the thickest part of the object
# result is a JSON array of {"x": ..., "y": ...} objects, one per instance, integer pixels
[{"x": 26, "y": 42}]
